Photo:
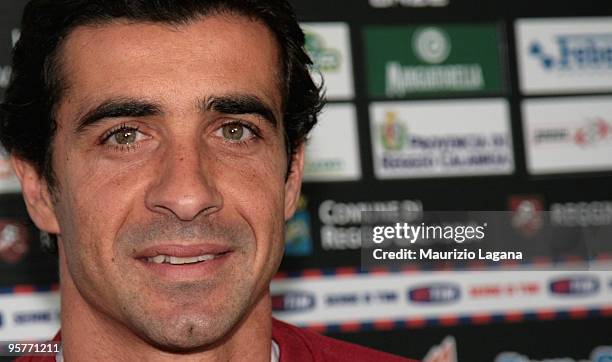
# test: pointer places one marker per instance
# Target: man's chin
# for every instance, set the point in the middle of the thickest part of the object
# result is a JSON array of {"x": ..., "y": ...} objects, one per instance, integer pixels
[
  {"x": 188, "y": 334},
  {"x": 187, "y": 324}
]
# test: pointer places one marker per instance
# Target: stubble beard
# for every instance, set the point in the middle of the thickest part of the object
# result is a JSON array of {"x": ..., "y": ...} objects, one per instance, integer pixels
[
  {"x": 183, "y": 317},
  {"x": 193, "y": 321}
]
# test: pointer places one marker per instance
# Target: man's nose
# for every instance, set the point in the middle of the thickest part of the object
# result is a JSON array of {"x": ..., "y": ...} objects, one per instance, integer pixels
[{"x": 184, "y": 186}]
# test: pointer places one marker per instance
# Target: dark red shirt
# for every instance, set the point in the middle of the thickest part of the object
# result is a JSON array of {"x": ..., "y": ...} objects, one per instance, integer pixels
[{"x": 300, "y": 345}]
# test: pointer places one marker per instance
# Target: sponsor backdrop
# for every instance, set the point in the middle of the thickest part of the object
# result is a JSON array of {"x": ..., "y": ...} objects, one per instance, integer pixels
[{"x": 433, "y": 105}]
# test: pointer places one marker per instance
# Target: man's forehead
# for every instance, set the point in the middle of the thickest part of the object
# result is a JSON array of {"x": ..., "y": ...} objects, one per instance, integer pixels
[{"x": 227, "y": 53}]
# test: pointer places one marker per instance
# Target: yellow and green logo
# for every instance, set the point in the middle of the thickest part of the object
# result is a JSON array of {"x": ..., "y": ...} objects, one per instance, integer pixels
[{"x": 392, "y": 132}]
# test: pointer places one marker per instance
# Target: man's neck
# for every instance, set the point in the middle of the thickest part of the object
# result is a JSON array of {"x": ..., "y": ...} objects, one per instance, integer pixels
[{"x": 90, "y": 334}]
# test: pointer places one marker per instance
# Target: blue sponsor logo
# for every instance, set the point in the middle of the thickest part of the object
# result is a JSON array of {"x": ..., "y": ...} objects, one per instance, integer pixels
[
  {"x": 574, "y": 285},
  {"x": 293, "y": 302},
  {"x": 435, "y": 293},
  {"x": 578, "y": 52},
  {"x": 602, "y": 354},
  {"x": 298, "y": 240},
  {"x": 599, "y": 354},
  {"x": 33, "y": 317},
  {"x": 368, "y": 298}
]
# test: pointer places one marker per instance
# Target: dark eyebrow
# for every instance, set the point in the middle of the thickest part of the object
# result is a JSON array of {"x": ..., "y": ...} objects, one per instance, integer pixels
[
  {"x": 240, "y": 104},
  {"x": 116, "y": 108}
]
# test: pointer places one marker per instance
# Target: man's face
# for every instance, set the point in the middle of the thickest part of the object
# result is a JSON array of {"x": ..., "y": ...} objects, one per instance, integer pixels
[{"x": 171, "y": 164}]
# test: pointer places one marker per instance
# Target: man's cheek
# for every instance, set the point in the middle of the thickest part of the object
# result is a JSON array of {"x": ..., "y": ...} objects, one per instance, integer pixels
[{"x": 86, "y": 232}]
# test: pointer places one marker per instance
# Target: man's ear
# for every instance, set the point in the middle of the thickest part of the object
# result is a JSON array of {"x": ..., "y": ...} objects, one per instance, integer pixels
[
  {"x": 294, "y": 182},
  {"x": 36, "y": 195}
]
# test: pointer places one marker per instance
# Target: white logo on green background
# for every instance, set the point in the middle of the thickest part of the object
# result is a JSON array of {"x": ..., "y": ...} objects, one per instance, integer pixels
[
  {"x": 431, "y": 45},
  {"x": 444, "y": 59}
]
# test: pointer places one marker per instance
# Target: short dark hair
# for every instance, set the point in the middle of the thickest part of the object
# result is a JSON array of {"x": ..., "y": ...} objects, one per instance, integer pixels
[{"x": 27, "y": 124}]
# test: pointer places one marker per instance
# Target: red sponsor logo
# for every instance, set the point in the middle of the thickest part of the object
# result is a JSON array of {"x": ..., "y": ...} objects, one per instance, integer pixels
[
  {"x": 505, "y": 290},
  {"x": 527, "y": 213},
  {"x": 13, "y": 241}
]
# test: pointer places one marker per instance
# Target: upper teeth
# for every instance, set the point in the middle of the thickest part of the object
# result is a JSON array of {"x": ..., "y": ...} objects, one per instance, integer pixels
[{"x": 177, "y": 260}]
